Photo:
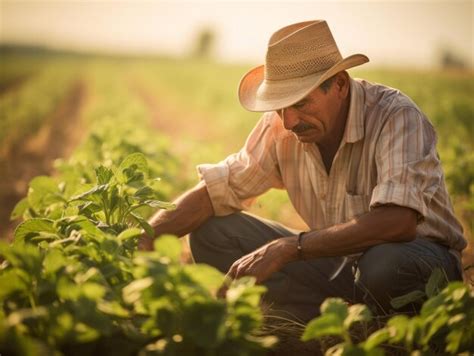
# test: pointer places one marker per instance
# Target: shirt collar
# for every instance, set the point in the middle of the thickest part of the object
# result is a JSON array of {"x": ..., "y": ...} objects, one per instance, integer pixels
[{"x": 354, "y": 130}]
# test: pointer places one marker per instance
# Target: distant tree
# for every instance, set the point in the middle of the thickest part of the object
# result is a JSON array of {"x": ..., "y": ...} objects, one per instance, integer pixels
[
  {"x": 449, "y": 59},
  {"x": 204, "y": 45}
]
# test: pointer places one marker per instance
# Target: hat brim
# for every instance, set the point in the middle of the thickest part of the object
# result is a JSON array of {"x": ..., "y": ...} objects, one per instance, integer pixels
[{"x": 258, "y": 94}]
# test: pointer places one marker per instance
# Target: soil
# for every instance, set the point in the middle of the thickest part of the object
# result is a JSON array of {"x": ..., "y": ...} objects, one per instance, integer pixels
[
  {"x": 35, "y": 154},
  {"x": 13, "y": 84}
]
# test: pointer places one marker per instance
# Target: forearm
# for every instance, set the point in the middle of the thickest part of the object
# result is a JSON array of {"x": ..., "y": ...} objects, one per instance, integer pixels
[
  {"x": 381, "y": 225},
  {"x": 192, "y": 209}
]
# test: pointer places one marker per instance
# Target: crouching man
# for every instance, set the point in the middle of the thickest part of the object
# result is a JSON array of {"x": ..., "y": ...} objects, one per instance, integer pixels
[{"x": 360, "y": 166}]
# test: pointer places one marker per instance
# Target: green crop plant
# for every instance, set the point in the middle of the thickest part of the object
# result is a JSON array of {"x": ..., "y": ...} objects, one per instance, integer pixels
[
  {"x": 445, "y": 324},
  {"x": 73, "y": 282}
]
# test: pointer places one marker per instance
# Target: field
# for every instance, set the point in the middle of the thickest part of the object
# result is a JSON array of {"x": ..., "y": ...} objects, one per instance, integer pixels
[{"x": 98, "y": 131}]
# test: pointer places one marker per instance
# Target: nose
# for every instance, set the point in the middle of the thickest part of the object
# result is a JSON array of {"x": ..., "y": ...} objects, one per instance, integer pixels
[{"x": 289, "y": 117}]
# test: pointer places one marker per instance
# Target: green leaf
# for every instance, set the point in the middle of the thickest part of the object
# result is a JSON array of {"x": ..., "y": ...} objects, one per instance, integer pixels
[
  {"x": 20, "y": 315},
  {"x": 203, "y": 321},
  {"x": 205, "y": 275},
  {"x": 54, "y": 260},
  {"x": 326, "y": 324},
  {"x": 132, "y": 292},
  {"x": 113, "y": 308},
  {"x": 335, "y": 306},
  {"x": 144, "y": 224},
  {"x": 93, "y": 291},
  {"x": 398, "y": 327},
  {"x": 103, "y": 174},
  {"x": 168, "y": 246},
  {"x": 33, "y": 227},
  {"x": 357, "y": 313},
  {"x": 160, "y": 204},
  {"x": 19, "y": 209},
  {"x": 375, "y": 339},
  {"x": 144, "y": 192},
  {"x": 67, "y": 290},
  {"x": 91, "y": 193},
  {"x": 132, "y": 163},
  {"x": 42, "y": 189},
  {"x": 11, "y": 282},
  {"x": 129, "y": 233},
  {"x": 412, "y": 297},
  {"x": 436, "y": 282},
  {"x": 453, "y": 341}
]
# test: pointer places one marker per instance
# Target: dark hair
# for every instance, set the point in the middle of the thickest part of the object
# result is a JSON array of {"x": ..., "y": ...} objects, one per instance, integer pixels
[{"x": 327, "y": 84}]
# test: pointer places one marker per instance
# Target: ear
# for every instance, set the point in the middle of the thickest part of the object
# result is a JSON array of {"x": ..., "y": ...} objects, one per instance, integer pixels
[{"x": 342, "y": 84}]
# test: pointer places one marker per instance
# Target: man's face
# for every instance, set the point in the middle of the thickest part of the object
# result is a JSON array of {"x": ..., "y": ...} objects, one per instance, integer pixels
[{"x": 316, "y": 117}]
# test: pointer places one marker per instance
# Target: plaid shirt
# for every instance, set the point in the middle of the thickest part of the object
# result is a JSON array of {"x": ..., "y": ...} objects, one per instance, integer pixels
[{"x": 387, "y": 156}]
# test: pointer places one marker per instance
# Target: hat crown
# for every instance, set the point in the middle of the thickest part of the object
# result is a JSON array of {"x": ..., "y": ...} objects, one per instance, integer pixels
[{"x": 299, "y": 50}]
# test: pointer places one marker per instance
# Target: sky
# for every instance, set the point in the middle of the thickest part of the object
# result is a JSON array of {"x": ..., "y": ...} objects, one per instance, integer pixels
[{"x": 399, "y": 33}]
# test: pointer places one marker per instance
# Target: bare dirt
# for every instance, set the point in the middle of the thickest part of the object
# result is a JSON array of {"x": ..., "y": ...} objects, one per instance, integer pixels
[{"x": 35, "y": 154}]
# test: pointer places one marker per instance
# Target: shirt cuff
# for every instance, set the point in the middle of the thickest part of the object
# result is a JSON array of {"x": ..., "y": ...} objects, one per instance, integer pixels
[
  {"x": 401, "y": 195},
  {"x": 223, "y": 199}
]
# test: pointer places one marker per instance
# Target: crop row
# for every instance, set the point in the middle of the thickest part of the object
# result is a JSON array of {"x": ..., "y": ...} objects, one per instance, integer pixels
[
  {"x": 73, "y": 282},
  {"x": 25, "y": 110}
]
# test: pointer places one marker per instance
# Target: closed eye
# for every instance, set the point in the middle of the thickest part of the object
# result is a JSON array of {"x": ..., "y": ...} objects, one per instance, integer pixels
[{"x": 299, "y": 105}]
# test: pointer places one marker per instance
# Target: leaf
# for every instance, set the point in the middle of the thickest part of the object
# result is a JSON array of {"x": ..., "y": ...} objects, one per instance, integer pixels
[
  {"x": 33, "y": 227},
  {"x": 113, "y": 308},
  {"x": 144, "y": 224},
  {"x": 67, "y": 290},
  {"x": 129, "y": 233},
  {"x": 20, "y": 315},
  {"x": 103, "y": 174},
  {"x": 93, "y": 291},
  {"x": 436, "y": 282},
  {"x": 42, "y": 188},
  {"x": 412, "y": 297},
  {"x": 375, "y": 339},
  {"x": 203, "y": 321},
  {"x": 205, "y": 275},
  {"x": 11, "y": 282},
  {"x": 453, "y": 341},
  {"x": 335, "y": 306},
  {"x": 132, "y": 163},
  {"x": 326, "y": 324},
  {"x": 357, "y": 313},
  {"x": 132, "y": 292},
  {"x": 160, "y": 204},
  {"x": 54, "y": 260},
  {"x": 398, "y": 327},
  {"x": 144, "y": 192},
  {"x": 19, "y": 209},
  {"x": 94, "y": 191},
  {"x": 168, "y": 246}
]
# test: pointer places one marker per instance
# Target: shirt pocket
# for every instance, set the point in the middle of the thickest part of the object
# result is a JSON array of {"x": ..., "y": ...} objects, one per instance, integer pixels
[{"x": 355, "y": 205}]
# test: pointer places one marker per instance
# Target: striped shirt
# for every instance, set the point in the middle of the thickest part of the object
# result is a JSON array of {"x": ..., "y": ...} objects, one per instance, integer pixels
[{"x": 387, "y": 156}]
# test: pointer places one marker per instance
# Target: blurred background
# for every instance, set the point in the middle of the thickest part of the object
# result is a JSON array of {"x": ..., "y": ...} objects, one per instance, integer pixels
[{"x": 88, "y": 81}]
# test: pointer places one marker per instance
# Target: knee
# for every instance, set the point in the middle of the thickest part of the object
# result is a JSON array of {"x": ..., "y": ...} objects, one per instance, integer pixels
[
  {"x": 213, "y": 228},
  {"x": 378, "y": 275},
  {"x": 378, "y": 266}
]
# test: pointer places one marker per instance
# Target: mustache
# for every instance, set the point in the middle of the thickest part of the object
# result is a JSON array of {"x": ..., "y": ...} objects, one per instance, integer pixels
[{"x": 302, "y": 126}]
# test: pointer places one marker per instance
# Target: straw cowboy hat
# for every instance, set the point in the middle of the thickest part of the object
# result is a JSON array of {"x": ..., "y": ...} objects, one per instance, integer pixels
[{"x": 299, "y": 58}]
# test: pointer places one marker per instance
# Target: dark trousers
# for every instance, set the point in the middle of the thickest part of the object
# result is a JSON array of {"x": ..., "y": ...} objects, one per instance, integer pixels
[{"x": 381, "y": 273}]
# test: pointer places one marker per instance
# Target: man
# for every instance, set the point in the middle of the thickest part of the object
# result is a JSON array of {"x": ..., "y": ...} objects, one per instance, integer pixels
[{"x": 360, "y": 166}]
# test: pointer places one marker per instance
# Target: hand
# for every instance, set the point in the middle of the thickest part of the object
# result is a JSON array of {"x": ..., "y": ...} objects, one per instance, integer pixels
[
  {"x": 262, "y": 263},
  {"x": 145, "y": 243}
]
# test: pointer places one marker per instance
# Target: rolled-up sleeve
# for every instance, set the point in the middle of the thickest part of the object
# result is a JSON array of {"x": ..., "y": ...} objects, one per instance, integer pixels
[
  {"x": 234, "y": 183},
  {"x": 408, "y": 167}
]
